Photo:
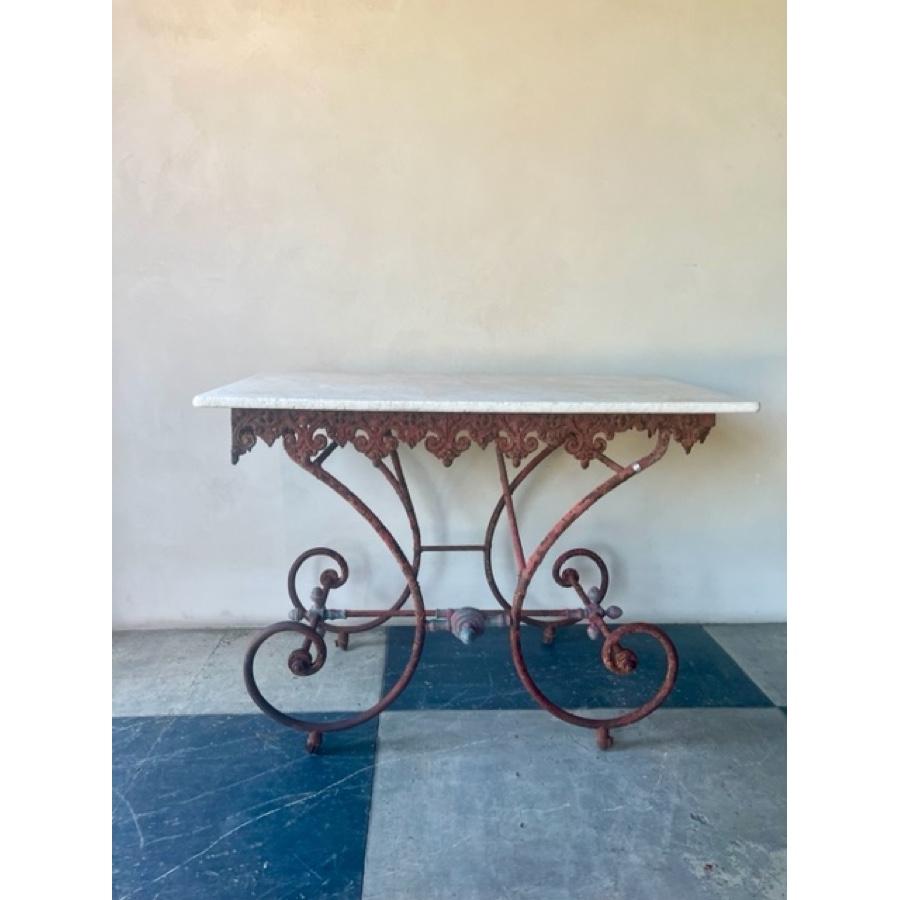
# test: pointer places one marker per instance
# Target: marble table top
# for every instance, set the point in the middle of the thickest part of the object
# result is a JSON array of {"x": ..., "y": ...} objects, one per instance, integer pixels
[{"x": 471, "y": 393}]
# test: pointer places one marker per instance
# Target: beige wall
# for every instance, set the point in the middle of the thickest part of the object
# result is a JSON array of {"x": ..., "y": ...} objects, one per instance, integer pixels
[{"x": 467, "y": 185}]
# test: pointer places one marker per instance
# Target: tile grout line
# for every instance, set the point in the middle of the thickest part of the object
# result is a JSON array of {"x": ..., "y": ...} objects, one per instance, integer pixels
[
  {"x": 375, "y": 754},
  {"x": 171, "y": 717},
  {"x": 182, "y": 709},
  {"x": 191, "y": 687},
  {"x": 365, "y": 849},
  {"x": 725, "y": 650},
  {"x": 187, "y": 707}
]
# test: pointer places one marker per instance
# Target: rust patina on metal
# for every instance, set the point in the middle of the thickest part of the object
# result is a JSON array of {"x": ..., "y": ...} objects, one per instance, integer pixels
[{"x": 310, "y": 437}]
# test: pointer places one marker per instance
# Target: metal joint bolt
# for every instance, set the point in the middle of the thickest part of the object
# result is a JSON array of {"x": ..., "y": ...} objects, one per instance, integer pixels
[{"x": 467, "y": 623}]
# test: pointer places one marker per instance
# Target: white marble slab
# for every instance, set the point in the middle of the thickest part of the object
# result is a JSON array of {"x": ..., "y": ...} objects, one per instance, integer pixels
[{"x": 471, "y": 393}]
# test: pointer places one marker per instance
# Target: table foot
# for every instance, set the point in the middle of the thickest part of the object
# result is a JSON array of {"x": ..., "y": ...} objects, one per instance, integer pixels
[
  {"x": 549, "y": 635},
  {"x": 342, "y": 641},
  {"x": 313, "y": 741},
  {"x": 604, "y": 738}
]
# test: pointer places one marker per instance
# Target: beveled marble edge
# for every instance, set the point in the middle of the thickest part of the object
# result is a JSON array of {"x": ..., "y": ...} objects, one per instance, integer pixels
[{"x": 475, "y": 394}]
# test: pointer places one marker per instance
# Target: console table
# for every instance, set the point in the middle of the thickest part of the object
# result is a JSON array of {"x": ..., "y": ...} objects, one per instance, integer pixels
[{"x": 525, "y": 420}]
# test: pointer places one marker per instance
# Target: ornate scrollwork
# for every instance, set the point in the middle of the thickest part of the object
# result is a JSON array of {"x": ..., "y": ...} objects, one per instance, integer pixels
[
  {"x": 623, "y": 661},
  {"x": 328, "y": 579},
  {"x": 617, "y": 659},
  {"x": 300, "y": 661},
  {"x": 310, "y": 436},
  {"x": 307, "y": 444},
  {"x": 518, "y": 436},
  {"x": 268, "y": 424},
  {"x": 447, "y": 435},
  {"x": 569, "y": 577}
]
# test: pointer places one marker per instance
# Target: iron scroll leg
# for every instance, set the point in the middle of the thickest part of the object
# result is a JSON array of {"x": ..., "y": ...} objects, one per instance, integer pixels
[
  {"x": 397, "y": 481},
  {"x": 303, "y": 662},
  {"x": 617, "y": 659},
  {"x": 548, "y": 625},
  {"x": 330, "y": 579}
]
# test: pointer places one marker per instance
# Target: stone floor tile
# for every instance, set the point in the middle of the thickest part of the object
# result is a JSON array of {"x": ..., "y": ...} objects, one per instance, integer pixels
[
  {"x": 761, "y": 651},
  {"x": 232, "y": 807},
  {"x": 452, "y": 675},
  {"x": 689, "y": 803},
  {"x": 349, "y": 680},
  {"x": 153, "y": 672}
]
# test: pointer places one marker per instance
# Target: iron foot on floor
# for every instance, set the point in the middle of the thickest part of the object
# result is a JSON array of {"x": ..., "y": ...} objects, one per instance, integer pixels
[
  {"x": 604, "y": 738},
  {"x": 342, "y": 641},
  {"x": 313, "y": 741}
]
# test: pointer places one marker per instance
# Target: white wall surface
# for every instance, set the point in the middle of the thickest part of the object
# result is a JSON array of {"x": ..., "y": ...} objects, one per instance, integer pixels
[{"x": 515, "y": 186}]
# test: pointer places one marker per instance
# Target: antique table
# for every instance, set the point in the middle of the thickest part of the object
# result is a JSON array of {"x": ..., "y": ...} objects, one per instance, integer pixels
[{"x": 525, "y": 419}]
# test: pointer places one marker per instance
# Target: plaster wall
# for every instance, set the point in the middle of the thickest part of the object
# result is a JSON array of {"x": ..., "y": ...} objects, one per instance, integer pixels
[{"x": 514, "y": 186}]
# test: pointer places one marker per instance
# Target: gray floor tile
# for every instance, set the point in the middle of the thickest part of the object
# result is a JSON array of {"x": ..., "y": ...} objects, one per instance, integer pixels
[
  {"x": 153, "y": 672},
  {"x": 350, "y": 679},
  {"x": 194, "y": 672},
  {"x": 761, "y": 651},
  {"x": 690, "y": 803}
]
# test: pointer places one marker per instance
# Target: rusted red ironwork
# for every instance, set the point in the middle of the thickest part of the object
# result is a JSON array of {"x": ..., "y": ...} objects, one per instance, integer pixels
[
  {"x": 447, "y": 435},
  {"x": 613, "y": 657},
  {"x": 311, "y": 437},
  {"x": 493, "y": 616}
]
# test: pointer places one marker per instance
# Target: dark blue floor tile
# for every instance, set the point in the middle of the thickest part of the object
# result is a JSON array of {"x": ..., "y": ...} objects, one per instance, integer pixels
[
  {"x": 452, "y": 675},
  {"x": 233, "y": 807}
]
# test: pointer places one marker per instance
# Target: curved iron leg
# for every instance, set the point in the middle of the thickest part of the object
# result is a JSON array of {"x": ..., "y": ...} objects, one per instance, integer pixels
[
  {"x": 549, "y": 626},
  {"x": 398, "y": 483},
  {"x": 316, "y": 729},
  {"x": 329, "y": 579},
  {"x": 616, "y": 659}
]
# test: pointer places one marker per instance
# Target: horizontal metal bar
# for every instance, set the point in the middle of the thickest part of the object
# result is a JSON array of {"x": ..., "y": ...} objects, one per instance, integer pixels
[
  {"x": 446, "y": 548},
  {"x": 575, "y": 614}
]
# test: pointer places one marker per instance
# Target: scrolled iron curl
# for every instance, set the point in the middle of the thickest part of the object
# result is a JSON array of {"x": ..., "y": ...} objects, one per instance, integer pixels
[
  {"x": 300, "y": 661},
  {"x": 569, "y": 577},
  {"x": 623, "y": 661},
  {"x": 300, "y": 447},
  {"x": 614, "y": 657},
  {"x": 619, "y": 660},
  {"x": 328, "y": 579}
]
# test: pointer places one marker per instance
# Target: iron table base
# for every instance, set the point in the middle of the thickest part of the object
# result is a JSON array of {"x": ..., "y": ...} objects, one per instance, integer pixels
[{"x": 311, "y": 437}]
